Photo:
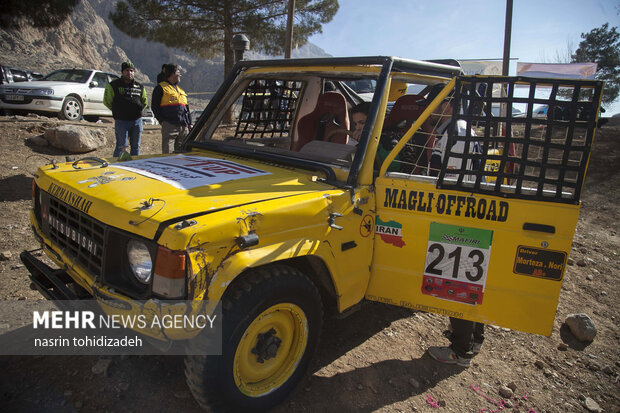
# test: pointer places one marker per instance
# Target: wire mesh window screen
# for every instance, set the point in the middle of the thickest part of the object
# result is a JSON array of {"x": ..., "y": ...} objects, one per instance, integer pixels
[
  {"x": 268, "y": 108},
  {"x": 531, "y": 143}
]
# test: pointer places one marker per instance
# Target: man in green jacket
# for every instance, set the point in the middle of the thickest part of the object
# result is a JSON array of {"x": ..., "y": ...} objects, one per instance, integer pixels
[{"x": 126, "y": 98}]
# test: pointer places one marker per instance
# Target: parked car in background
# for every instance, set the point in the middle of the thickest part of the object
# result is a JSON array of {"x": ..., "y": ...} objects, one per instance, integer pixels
[
  {"x": 70, "y": 93},
  {"x": 148, "y": 118},
  {"x": 12, "y": 75}
]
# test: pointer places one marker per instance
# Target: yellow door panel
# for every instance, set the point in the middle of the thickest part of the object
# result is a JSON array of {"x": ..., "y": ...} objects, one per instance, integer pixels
[{"x": 487, "y": 239}]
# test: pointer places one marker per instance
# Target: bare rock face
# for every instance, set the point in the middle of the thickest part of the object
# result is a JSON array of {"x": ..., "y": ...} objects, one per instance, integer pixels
[
  {"x": 75, "y": 139},
  {"x": 582, "y": 326}
]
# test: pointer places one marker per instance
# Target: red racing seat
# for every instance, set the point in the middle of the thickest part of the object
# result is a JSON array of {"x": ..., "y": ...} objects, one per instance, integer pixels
[
  {"x": 329, "y": 114},
  {"x": 405, "y": 109}
]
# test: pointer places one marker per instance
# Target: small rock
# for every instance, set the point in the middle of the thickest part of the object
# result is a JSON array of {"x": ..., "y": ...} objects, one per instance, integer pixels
[
  {"x": 512, "y": 386},
  {"x": 548, "y": 373},
  {"x": 582, "y": 263},
  {"x": 101, "y": 366},
  {"x": 592, "y": 406},
  {"x": 562, "y": 347},
  {"x": 604, "y": 293},
  {"x": 594, "y": 366},
  {"x": 505, "y": 391},
  {"x": 582, "y": 326},
  {"x": 589, "y": 277},
  {"x": 360, "y": 387},
  {"x": 5, "y": 255},
  {"x": 17, "y": 267},
  {"x": 539, "y": 364},
  {"x": 570, "y": 261},
  {"x": 608, "y": 370},
  {"x": 414, "y": 383},
  {"x": 508, "y": 404},
  {"x": 14, "y": 168}
]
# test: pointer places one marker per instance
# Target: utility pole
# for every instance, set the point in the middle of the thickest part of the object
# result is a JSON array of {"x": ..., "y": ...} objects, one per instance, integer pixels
[
  {"x": 507, "y": 33},
  {"x": 288, "y": 46}
]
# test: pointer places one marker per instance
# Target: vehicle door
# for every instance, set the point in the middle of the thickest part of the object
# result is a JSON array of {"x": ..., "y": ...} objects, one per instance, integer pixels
[
  {"x": 487, "y": 245},
  {"x": 94, "y": 102}
]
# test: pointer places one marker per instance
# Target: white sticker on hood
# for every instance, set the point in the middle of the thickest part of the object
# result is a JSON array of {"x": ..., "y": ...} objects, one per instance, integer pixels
[{"x": 187, "y": 172}]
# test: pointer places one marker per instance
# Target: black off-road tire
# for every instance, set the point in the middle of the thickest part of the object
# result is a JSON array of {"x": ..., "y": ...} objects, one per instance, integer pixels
[{"x": 212, "y": 379}]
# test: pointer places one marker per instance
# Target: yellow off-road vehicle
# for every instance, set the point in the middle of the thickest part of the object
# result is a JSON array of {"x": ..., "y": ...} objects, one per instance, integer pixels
[{"x": 275, "y": 211}]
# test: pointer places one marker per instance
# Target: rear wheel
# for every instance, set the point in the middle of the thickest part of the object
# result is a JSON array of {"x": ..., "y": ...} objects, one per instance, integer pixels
[
  {"x": 272, "y": 320},
  {"x": 71, "y": 109}
]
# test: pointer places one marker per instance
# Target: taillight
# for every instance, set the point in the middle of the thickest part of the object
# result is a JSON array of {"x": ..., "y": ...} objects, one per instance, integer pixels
[{"x": 169, "y": 275}]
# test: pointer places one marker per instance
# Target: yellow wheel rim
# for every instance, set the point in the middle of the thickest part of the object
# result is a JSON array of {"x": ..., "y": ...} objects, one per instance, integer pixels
[{"x": 270, "y": 349}]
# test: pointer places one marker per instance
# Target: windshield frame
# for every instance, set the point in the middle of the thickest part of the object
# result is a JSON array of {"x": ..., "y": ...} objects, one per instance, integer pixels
[{"x": 380, "y": 67}]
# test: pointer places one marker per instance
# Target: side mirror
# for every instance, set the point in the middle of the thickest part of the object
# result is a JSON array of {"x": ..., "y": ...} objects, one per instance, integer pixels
[{"x": 93, "y": 84}]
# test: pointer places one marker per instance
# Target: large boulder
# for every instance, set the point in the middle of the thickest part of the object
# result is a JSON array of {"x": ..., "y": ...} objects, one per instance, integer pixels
[{"x": 75, "y": 139}]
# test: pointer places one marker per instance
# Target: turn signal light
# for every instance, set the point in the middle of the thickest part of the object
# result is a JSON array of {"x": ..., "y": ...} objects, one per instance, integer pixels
[{"x": 169, "y": 274}]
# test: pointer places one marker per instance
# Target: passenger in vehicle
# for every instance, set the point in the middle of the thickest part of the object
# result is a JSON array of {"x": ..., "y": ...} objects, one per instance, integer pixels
[
  {"x": 441, "y": 118},
  {"x": 358, "y": 116}
]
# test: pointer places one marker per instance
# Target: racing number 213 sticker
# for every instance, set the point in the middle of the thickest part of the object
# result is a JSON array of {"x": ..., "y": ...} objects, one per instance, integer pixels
[{"x": 457, "y": 262}]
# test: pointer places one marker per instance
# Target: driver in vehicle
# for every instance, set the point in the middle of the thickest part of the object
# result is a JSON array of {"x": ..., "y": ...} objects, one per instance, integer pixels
[{"x": 358, "y": 120}]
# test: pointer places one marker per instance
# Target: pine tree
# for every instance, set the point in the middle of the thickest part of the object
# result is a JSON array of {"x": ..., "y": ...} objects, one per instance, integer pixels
[
  {"x": 205, "y": 28},
  {"x": 37, "y": 13},
  {"x": 602, "y": 46}
]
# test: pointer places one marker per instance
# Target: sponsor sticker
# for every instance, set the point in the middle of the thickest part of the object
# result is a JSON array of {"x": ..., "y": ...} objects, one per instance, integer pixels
[
  {"x": 457, "y": 262},
  {"x": 187, "y": 172}
]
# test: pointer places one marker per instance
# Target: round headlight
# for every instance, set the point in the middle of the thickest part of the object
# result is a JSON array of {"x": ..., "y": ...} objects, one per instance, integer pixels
[{"x": 140, "y": 260}]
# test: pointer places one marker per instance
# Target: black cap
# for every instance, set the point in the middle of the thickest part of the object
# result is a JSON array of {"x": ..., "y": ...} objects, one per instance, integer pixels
[
  {"x": 432, "y": 94},
  {"x": 127, "y": 65}
]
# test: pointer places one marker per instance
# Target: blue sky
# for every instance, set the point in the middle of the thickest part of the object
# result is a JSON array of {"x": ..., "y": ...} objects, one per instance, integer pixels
[{"x": 465, "y": 29}]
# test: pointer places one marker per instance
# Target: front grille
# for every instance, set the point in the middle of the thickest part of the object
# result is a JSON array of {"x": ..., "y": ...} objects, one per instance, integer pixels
[{"x": 78, "y": 235}]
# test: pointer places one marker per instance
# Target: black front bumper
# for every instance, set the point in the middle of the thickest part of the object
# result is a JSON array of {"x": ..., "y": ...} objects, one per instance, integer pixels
[{"x": 51, "y": 283}]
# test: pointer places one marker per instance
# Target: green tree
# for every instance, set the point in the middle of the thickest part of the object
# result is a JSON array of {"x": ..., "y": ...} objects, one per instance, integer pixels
[
  {"x": 205, "y": 28},
  {"x": 602, "y": 46},
  {"x": 38, "y": 13}
]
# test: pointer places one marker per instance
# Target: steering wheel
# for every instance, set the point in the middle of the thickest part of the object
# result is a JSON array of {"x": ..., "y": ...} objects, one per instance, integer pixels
[{"x": 331, "y": 133}]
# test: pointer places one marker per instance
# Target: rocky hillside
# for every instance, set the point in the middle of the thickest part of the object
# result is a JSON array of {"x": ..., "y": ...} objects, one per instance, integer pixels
[{"x": 89, "y": 39}]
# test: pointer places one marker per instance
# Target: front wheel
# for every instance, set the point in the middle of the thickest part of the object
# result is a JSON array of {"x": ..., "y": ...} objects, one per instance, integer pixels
[
  {"x": 272, "y": 319},
  {"x": 71, "y": 109}
]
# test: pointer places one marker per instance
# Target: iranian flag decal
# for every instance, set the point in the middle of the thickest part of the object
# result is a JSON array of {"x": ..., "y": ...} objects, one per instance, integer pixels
[{"x": 390, "y": 232}]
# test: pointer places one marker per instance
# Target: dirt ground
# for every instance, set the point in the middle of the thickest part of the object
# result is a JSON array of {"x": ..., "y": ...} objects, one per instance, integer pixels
[{"x": 374, "y": 360}]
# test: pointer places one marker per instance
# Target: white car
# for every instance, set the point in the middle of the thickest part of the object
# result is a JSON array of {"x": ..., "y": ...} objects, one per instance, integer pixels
[
  {"x": 148, "y": 118},
  {"x": 71, "y": 93}
]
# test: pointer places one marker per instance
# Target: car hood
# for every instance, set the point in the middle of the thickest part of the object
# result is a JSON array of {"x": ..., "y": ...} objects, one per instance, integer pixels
[{"x": 167, "y": 189}]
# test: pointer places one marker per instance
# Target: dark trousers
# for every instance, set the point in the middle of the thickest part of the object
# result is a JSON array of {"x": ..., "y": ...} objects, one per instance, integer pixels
[{"x": 464, "y": 334}]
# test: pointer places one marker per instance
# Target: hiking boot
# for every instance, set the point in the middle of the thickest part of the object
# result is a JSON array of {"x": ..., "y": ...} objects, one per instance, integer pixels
[
  {"x": 476, "y": 348},
  {"x": 447, "y": 356}
]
